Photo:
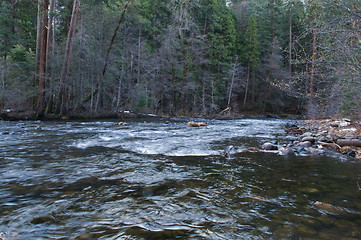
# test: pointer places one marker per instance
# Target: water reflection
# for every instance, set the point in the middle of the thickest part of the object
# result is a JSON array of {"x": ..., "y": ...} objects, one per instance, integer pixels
[{"x": 148, "y": 180}]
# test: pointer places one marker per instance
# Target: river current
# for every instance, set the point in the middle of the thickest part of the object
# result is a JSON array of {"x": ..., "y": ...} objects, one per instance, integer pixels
[{"x": 152, "y": 180}]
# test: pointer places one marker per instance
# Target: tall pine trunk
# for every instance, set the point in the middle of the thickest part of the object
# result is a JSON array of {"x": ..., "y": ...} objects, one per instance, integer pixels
[
  {"x": 312, "y": 80},
  {"x": 290, "y": 43},
  {"x": 42, "y": 60},
  {"x": 3, "y": 80},
  {"x": 247, "y": 83},
  {"x": 64, "y": 81}
]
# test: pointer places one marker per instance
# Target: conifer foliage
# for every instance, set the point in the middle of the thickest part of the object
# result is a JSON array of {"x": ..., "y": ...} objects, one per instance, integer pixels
[{"x": 181, "y": 57}]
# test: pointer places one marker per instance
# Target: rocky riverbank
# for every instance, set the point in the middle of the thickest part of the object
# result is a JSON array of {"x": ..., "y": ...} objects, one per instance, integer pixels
[{"x": 314, "y": 136}]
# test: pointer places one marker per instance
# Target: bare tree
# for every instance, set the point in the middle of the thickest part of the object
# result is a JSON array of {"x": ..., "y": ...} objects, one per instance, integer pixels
[{"x": 64, "y": 81}]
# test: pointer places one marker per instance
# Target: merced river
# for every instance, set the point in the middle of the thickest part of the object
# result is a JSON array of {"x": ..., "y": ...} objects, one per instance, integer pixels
[{"x": 152, "y": 180}]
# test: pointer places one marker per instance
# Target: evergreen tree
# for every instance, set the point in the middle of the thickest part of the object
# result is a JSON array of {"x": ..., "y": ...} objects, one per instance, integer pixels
[{"x": 251, "y": 53}]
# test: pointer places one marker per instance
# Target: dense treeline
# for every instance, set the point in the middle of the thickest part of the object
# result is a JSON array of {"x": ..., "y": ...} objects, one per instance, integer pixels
[{"x": 181, "y": 57}]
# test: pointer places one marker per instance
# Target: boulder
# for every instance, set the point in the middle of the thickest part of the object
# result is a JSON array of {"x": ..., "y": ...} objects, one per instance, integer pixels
[
  {"x": 316, "y": 151},
  {"x": 305, "y": 144},
  {"x": 291, "y": 138},
  {"x": 196, "y": 124},
  {"x": 309, "y": 139},
  {"x": 228, "y": 151},
  {"x": 285, "y": 151},
  {"x": 269, "y": 146}
]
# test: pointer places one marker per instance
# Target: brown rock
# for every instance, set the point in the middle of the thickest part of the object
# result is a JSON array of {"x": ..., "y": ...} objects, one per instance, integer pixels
[{"x": 196, "y": 124}]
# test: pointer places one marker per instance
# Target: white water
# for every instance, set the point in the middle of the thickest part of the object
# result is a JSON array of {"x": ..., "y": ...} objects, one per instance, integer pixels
[{"x": 176, "y": 139}]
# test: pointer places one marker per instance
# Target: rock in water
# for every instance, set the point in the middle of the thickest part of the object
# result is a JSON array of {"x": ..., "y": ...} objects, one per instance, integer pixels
[
  {"x": 269, "y": 146},
  {"x": 285, "y": 151},
  {"x": 228, "y": 151}
]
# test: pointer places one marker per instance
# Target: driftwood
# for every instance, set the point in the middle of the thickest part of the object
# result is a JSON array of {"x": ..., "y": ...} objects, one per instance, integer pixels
[
  {"x": 332, "y": 146},
  {"x": 225, "y": 110},
  {"x": 349, "y": 142},
  {"x": 196, "y": 124}
]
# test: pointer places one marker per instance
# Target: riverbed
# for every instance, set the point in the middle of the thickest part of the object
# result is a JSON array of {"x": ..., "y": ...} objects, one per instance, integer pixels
[{"x": 159, "y": 179}]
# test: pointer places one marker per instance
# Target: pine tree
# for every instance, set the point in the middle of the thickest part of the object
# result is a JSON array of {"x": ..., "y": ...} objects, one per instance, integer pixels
[{"x": 251, "y": 52}]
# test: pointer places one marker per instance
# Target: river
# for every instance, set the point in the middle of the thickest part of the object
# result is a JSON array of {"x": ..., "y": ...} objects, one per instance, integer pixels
[{"x": 152, "y": 180}]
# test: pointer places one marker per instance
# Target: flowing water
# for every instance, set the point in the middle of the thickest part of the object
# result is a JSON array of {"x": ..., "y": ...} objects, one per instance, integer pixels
[{"x": 151, "y": 180}]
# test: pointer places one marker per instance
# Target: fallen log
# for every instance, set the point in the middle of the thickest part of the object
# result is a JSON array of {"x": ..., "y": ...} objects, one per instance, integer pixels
[
  {"x": 349, "y": 142},
  {"x": 196, "y": 124}
]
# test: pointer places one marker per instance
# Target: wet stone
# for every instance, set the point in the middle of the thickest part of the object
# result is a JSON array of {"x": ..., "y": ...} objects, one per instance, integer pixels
[
  {"x": 310, "y": 190},
  {"x": 269, "y": 146},
  {"x": 44, "y": 219}
]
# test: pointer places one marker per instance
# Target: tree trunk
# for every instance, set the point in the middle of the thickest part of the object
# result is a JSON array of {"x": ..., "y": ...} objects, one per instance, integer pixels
[
  {"x": 3, "y": 80},
  {"x": 95, "y": 90},
  {"x": 64, "y": 80},
  {"x": 42, "y": 60},
  {"x": 38, "y": 38},
  {"x": 312, "y": 80},
  {"x": 232, "y": 82},
  {"x": 50, "y": 56},
  {"x": 290, "y": 43},
  {"x": 138, "y": 74},
  {"x": 247, "y": 83},
  {"x": 113, "y": 38}
]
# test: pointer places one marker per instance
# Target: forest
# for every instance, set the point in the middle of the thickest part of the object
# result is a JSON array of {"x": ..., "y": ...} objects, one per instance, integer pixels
[{"x": 181, "y": 57}]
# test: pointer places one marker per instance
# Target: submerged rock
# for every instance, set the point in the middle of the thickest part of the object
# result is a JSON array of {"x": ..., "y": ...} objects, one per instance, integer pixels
[{"x": 329, "y": 207}]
